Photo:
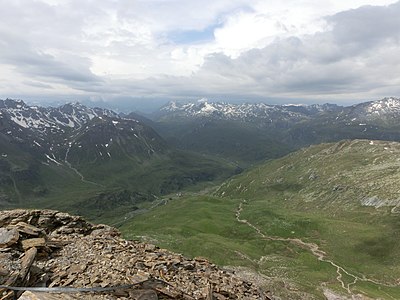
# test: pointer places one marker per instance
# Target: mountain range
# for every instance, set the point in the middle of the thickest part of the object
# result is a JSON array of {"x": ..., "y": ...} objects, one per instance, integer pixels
[
  {"x": 387, "y": 108},
  {"x": 249, "y": 133},
  {"x": 246, "y": 112},
  {"x": 181, "y": 144}
]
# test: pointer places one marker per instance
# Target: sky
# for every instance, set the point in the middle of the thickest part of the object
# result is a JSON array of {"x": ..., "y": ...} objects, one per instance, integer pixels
[{"x": 139, "y": 54}]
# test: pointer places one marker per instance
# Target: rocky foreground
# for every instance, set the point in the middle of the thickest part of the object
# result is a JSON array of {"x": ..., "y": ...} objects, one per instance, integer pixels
[{"x": 44, "y": 248}]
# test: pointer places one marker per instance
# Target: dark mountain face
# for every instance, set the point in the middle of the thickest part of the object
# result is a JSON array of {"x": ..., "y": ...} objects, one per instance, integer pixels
[
  {"x": 107, "y": 138},
  {"x": 44, "y": 129},
  {"x": 53, "y": 131}
]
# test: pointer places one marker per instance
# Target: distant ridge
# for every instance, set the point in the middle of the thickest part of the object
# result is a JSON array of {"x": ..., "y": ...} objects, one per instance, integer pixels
[
  {"x": 245, "y": 111},
  {"x": 251, "y": 132}
]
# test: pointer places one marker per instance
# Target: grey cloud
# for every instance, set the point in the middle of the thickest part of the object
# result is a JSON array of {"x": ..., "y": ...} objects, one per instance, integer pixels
[
  {"x": 26, "y": 60},
  {"x": 43, "y": 25},
  {"x": 37, "y": 84},
  {"x": 367, "y": 25}
]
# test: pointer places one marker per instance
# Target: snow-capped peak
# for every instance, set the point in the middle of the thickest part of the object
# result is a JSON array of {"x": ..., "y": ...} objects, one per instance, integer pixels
[
  {"x": 51, "y": 119},
  {"x": 386, "y": 106}
]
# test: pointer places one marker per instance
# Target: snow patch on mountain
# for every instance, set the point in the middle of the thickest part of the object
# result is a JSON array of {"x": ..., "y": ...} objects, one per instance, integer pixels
[
  {"x": 386, "y": 109},
  {"x": 244, "y": 111},
  {"x": 384, "y": 106},
  {"x": 40, "y": 119}
]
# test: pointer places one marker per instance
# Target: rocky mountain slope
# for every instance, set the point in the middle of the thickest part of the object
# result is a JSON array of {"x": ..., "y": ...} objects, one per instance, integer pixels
[
  {"x": 385, "y": 110},
  {"x": 53, "y": 131},
  {"x": 50, "y": 119},
  {"x": 56, "y": 250}
]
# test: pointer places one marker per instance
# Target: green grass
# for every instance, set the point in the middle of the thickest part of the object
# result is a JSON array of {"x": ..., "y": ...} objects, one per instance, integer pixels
[
  {"x": 313, "y": 195},
  {"x": 119, "y": 184},
  {"x": 160, "y": 174},
  {"x": 206, "y": 226},
  {"x": 195, "y": 221}
]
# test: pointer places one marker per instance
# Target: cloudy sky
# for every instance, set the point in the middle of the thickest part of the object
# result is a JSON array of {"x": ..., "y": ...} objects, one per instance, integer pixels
[{"x": 146, "y": 52}]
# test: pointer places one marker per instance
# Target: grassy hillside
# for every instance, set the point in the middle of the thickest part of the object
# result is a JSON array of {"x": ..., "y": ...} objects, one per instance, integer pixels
[
  {"x": 104, "y": 190},
  {"x": 335, "y": 177},
  {"x": 321, "y": 220}
]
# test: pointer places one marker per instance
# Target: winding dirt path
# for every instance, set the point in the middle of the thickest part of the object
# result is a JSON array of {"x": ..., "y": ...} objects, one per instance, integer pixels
[
  {"x": 76, "y": 171},
  {"x": 315, "y": 250}
]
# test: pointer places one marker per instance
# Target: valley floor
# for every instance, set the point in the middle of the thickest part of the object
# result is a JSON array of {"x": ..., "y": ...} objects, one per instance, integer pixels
[{"x": 305, "y": 266}]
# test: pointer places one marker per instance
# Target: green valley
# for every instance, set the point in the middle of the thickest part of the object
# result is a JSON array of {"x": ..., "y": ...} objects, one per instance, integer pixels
[{"x": 321, "y": 221}]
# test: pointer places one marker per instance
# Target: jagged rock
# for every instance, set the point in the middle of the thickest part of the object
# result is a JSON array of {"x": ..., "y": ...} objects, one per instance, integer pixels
[
  {"x": 27, "y": 262},
  {"x": 23, "y": 227},
  {"x": 104, "y": 230},
  {"x": 71, "y": 252},
  {"x": 8, "y": 237},
  {"x": 35, "y": 242}
]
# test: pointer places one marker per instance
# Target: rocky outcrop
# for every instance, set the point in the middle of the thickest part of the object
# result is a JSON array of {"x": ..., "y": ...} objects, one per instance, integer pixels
[
  {"x": 43, "y": 248},
  {"x": 376, "y": 202}
]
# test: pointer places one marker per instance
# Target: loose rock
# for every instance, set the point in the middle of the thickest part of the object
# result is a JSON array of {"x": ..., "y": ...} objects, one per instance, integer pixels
[
  {"x": 8, "y": 237},
  {"x": 36, "y": 242},
  {"x": 71, "y": 252}
]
